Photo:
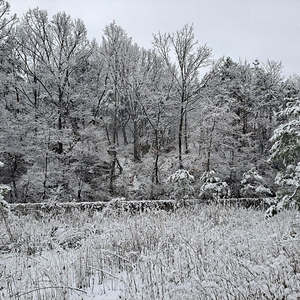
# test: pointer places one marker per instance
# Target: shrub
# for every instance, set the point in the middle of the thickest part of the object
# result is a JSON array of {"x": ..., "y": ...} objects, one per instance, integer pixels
[
  {"x": 213, "y": 187},
  {"x": 254, "y": 186},
  {"x": 180, "y": 183}
]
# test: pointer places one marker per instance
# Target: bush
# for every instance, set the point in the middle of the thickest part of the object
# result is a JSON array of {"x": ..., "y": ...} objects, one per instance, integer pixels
[
  {"x": 213, "y": 187},
  {"x": 254, "y": 186},
  {"x": 180, "y": 183}
]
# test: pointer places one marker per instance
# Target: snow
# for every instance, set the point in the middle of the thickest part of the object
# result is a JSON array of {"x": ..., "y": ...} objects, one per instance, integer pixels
[
  {"x": 201, "y": 252},
  {"x": 213, "y": 187},
  {"x": 4, "y": 187},
  {"x": 180, "y": 184},
  {"x": 109, "y": 295},
  {"x": 181, "y": 175}
]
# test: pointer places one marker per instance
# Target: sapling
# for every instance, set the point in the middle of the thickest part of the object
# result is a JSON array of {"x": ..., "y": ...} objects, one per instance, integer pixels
[
  {"x": 213, "y": 187},
  {"x": 254, "y": 186},
  {"x": 181, "y": 184}
]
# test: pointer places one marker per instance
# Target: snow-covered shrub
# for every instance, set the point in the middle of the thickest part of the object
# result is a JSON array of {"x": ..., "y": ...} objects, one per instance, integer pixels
[
  {"x": 272, "y": 211},
  {"x": 4, "y": 206},
  {"x": 254, "y": 186},
  {"x": 213, "y": 187},
  {"x": 180, "y": 182}
]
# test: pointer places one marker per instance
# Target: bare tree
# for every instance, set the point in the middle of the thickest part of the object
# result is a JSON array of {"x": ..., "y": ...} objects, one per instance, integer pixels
[
  {"x": 7, "y": 24},
  {"x": 50, "y": 52},
  {"x": 7, "y": 32},
  {"x": 180, "y": 48},
  {"x": 155, "y": 93},
  {"x": 115, "y": 47}
]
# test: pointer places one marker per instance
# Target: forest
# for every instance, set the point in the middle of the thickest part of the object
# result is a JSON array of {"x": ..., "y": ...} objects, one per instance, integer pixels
[
  {"x": 86, "y": 126},
  {"x": 86, "y": 120}
]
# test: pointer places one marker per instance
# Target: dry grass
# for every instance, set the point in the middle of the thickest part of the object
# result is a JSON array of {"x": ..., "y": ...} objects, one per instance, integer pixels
[{"x": 205, "y": 252}]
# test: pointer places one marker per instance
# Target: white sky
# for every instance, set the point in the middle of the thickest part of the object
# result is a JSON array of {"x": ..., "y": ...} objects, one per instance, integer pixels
[{"x": 241, "y": 29}]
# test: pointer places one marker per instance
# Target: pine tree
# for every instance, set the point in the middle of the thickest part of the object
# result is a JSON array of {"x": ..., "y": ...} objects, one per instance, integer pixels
[
  {"x": 286, "y": 148},
  {"x": 213, "y": 188}
]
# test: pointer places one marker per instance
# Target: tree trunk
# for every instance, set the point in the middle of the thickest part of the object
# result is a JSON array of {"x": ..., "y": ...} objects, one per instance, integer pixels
[
  {"x": 18, "y": 100},
  {"x": 180, "y": 136},
  {"x": 59, "y": 143},
  {"x": 157, "y": 148},
  {"x": 45, "y": 177},
  {"x": 113, "y": 160},
  {"x": 135, "y": 142},
  {"x": 60, "y": 122},
  {"x": 210, "y": 146},
  {"x": 186, "y": 133},
  {"x": 125, "y": 140},
  {"x": 15, "y": 191},
  {"x": 112, "y": 150}
]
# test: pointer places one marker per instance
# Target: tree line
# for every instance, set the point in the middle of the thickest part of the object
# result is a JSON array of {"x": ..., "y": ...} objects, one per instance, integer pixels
[{"x": 86, "y": 120}]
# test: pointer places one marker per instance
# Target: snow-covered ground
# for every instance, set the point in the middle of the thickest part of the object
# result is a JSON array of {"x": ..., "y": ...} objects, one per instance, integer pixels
[{"x": 205, "y": 252}]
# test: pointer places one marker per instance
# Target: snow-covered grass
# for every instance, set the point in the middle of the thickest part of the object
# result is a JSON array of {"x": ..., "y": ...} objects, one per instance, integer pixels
[{"x": 200, "y": 252}]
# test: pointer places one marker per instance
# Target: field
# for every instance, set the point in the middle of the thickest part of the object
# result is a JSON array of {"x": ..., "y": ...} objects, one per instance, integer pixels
[{"x": 197, "y": 252}]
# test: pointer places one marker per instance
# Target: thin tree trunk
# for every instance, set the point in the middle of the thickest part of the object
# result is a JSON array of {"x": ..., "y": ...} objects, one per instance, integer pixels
[
  {"x": 180, "y": 137},
  {"x": 15, "y": 166},
  {"x": 107, "y": 135},
  {"x": 59, "y": 144},
  {"x": 125, "y": 140},
  {"x": 156, "y": 167},
  {"x": 112, "y": 169},
  {"x": 113, "y": 152},
  {"x": 209, "y": 147},
  {"x": 155, "y": 173},
  {"x": 45, "y": 177},
  {"x": 135, "y": 142},
  {"x": 186, "y": 133},
  {"x": 46, "y": 169},
  {"x": 60, "y": 125},
  {"x": 18, "y": 100}
]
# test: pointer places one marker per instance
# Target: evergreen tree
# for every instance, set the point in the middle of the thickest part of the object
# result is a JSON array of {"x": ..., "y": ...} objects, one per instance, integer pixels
[
  {"x": 254, "y": 185},
  {"x": 286, "y": 148}
]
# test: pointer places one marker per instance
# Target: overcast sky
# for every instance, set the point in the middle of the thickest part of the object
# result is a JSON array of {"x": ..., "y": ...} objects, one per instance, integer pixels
[{"x": 241, "y": 29}]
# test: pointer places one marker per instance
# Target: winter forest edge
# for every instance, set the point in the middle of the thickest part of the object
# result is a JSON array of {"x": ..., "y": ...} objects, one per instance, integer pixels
[{"x": 87, "y": 121}]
